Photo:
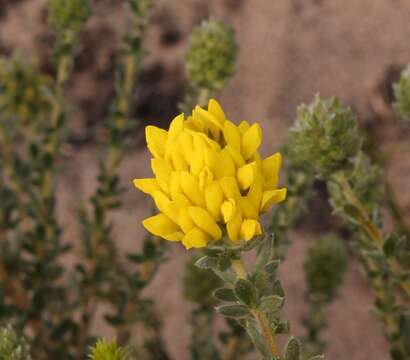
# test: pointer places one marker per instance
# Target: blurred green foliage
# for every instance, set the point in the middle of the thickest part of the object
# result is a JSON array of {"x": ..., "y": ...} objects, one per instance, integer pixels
[{"x": 402, "y": 94}]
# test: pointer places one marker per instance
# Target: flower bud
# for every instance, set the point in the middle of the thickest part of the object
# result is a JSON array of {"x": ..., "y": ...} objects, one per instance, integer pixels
[
  {"x": 212, "y": 53},
  {"x": 104, "y": 349},
  {"x": 325, "y": 136},
  {"x": 402, "y": 94},
  {"x": 68, "y": 14},
  {"x": 325, "y": 266}
]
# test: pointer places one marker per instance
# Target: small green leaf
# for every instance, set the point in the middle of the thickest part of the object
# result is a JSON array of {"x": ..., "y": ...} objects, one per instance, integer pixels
[
  {"x": 245, "y": 291},
  {"x": 233, "y": 311},
  {"x": 271, "y": 303},
  {"x": 257, "y": 338},
  {"x": 292, "y": 351},
  {"x": 225, "y": 294},
  {"x": 277, "y": 289},
  {"x": 282, "y": 327},
  {"x": 206, "y": 262},
  {"x": 389, "y": 246},
  {"x": 271, "y": 267},
  {"x": 266, "y": 253}
]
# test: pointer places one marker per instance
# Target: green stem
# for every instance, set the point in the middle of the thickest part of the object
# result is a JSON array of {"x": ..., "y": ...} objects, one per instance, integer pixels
[
  {"x": 372, "y": 230},
  {"x": 259, "y": 315},
  {"x": 203, "y": 97}
]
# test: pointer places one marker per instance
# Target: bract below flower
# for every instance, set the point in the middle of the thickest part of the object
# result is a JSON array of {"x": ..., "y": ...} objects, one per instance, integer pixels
[{"x": 209, "y": 179}]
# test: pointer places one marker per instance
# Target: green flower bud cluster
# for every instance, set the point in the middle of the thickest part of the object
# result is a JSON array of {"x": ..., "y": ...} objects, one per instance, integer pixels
[
  {"x": 324, "y": 137},
  {"x": 12, "y": 346},
  {"x": 199, "y": 284},
  {"x": 23, "y": 90},
  {"x": 325, "y": 267},
  {"x": 212, "y": 53},
  {"x": 402, "y": 94},
  {"x": 68, "y": 14},
  {"x": 109, "y": 350}
]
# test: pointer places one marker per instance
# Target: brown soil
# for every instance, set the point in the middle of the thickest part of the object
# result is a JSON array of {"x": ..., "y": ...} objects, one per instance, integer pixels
[{"x": 290, "y": 50}]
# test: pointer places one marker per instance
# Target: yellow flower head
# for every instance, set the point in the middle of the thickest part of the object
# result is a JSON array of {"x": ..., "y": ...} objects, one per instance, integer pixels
[{"x": 210, "y": 180}]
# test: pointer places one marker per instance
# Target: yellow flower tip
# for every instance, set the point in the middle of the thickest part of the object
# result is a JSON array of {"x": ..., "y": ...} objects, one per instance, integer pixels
[
  {"x": 272, "y": 197},
  {"x": 228, "y": 209},
  {"x": 147, "y": 186},
  {"x": 251, "y": 140},
  {"x": 204, "y": 221},
  {"x": 195, "y": 238},
  {"x": 233, "y": 227},
  {"x": 216, "y": 110},
  {"x": 176, "y": 236},
  {"x": 160, "y": 225},
  {"x": 250, "y": 228},
  {"x": 246, "y": 175},
  {"x": 271, "y": 165},
  {"x": 156, "y": 140}
]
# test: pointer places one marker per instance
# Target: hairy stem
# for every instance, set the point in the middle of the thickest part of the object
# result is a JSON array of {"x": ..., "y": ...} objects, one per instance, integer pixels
[
  {"x": 259, "y": 315},
  {"x": 372, "y": 230}
]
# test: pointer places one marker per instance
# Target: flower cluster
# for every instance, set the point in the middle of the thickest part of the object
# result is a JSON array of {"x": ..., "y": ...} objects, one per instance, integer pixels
[
  {"x": 210, "y": 180},
  {"x": 212, "y": 53},
  {"x": 325, "y": 136}
]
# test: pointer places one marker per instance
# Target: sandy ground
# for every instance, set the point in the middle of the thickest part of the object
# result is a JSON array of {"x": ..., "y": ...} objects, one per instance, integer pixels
[{"x": 290, "y": 50}]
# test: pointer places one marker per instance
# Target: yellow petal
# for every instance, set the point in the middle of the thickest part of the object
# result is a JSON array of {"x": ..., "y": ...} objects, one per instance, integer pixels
[
  {"x": 251, "y": 140},
  {"x": 176, "y": 236},
  {"x": 195, "y": 238},
  {"x": 233, "y": 227},
  {"x": 197, "y": 161},
  {"x": 185, "y": 221},
  {"x": 208, "y": 118},
  {"x": 225, "y": 165},
  {"x": 271, "y": 165},
  {"x": 162, "y": 170},
  {"x": 178, "y": 159},
  {"x": 190, "y": 187},
  {"x": 271, "y": 183},
  {"x": 175, "y": 184},
  {"x": 229, "y": 187},
  {"x": 175, "y": 127},
  {"x": 246, "y": 175},
  {"x": 213, "y": 199},
  {"x": 147, "y": 186},
  {"x": 204, "y": 220},
  {"x": 228, "y": 209},
  {"x": 156, "y": 140},
  {"x": 235, "y": 155},
  {"x": 186, "y": 143},
  {"x": 216, "y": 110},
  {"x": 255, "y": 193},
  {"x": 243, "y": 127},
  {"x": 249, "y": 210},
  {"x": 250, "y": 228},
  {"x": 205, "y": 178},
  {"x": 272, "y": 197},
  {"x": 163, "y": 203},
  {"x": 160, "y": 225},
  {"x": 232, "y": 135}
]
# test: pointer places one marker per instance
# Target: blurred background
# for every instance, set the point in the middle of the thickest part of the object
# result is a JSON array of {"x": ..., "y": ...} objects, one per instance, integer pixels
[{"x": 290, "y": 50}]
